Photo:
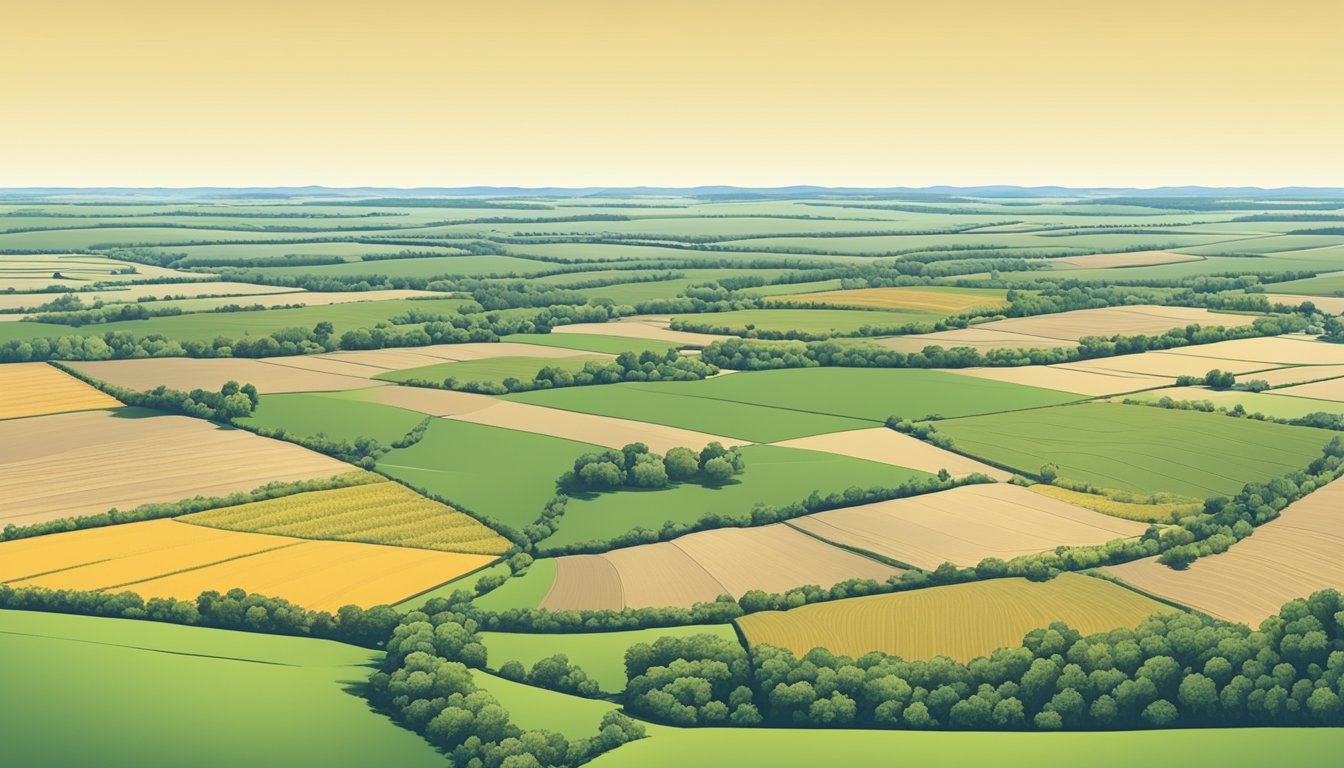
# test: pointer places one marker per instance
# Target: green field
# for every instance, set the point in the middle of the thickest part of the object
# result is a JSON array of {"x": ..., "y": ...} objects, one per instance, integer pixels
[
  {"x": 433, "y": 266},
  {"x": 1138, "y": 448},
  {"x": 591, "y": 342},
  {"x": 492, "y": 370},
  {"x": 774, "y": 475},
  {"x": 1322, "y": 285},
  {"x": 205, "y": 254},
  {"x": 1269, "y": 403},
  {"x": 600, "y": 654},
  {"x": 530, "y": 707},
  {"x": 340, "y": 418},
  {"x": 768, "y": 406},
  {"x": 503, "y": 473},
  {"x": 143, "y": 694},
  {"x": 814, "y": 322},
  {"x": 789, "y": 748},
  {"x": 207, "y": 326},
  {"x": 467, "y": 582},
  {"x": 525, "y": 591}
]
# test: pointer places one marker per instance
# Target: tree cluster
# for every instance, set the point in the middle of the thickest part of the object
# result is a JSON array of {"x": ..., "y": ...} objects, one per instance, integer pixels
[{"x": 635, "y": 466}]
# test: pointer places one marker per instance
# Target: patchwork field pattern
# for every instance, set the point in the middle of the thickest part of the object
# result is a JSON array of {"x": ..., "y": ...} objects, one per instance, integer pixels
[
  {"x": 37, "y": 389},
  {"x": 961, "y": 621},
  {"x": 949, "y": 301}
]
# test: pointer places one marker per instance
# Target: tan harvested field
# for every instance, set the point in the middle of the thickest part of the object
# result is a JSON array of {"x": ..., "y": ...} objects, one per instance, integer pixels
[
  {"x": 1068, "y": 379},
  {"x": 1283, "y": 350},
  {"x": 1291, "y": 556},
  {"x": 37, "y": 389},
  {"x": 571, "y": 425},
  {"x": 701, "y": 566},
  {"x": 33, "y": 272},
  {"x": 961, "y": 621},
  {"x": 1168, "y": 363},
  {"x": 368, "y": 363},
  {"x": 274, "y": 376},
  {"x": 1121, "y": 260},
  {"x": 951, "y": 302},
  {"x": 86, "y": 463},
  {"x": 584, "y": 582},
  {"x": 1109, "y": 321},
  {"x": 166, "y": 558},
  {"x": 155, "y": 290},
  {"x": 966, "y": 525},
  {"x": 1332, "y": 304},
  {"x": 980, "y": 337},
  {"x": 641, "y": 327},
  {"x": 1298, "y": 374},
  {"x": 888, "y": 446},
  {"x": 1330, "y": 389}
]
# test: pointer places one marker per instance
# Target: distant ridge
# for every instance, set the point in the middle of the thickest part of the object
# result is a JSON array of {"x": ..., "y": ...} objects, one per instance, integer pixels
[{"x": 712, "y": 191}]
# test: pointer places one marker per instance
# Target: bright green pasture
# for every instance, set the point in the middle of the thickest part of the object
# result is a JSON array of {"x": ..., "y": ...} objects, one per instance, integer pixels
[
  {"x": 144, "y": 695},
  {"x": 525, "y": 591},
  {"x": 774, "y": 475},
  {"x": 206, "y": 326},
  {"x": 1323, "y": 285},
  {"x": 1138, "y": 448},
  {"x": 494, "y": 370},
  {"x": 600, "y": 654},
  {"x": 530, "y": 707},
  {"x": 108, "y": 237},
  {"x": 810, "y": 321},
  {"x": 504, "y": 473},
  {"x": 804, "y": 748},
  {"x": 428, "y": 267},
  {"x": 339, "y": 418},
  {"x": 591, "y": 342},
  {"x": 467, "y": 583},
  {"x": 754, "y": 250},
  {"x": 349, "y": 251},
  {"x": 1271, "y": 403}
]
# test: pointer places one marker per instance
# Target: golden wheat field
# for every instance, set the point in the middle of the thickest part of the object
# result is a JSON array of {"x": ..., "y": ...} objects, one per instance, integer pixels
[
  {"x": 376, "y": 513},
  {"x": 1145, "y": 513},
  {"x": 950, "y": 301},
  {"x": 37, "y": 389},
  {"x": 961, "y": 621},
  {"x": 166, "y": 558}
]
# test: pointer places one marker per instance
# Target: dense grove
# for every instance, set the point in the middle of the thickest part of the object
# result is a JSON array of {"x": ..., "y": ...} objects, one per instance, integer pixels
[{"x": 635, "y": 466}]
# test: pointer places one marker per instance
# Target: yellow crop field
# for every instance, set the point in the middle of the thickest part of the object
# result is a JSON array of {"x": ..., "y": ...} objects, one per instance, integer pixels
[
  {"x": 163, "y": 558},
  {"x": 377, "y": 513},
  {"x": 1145, "y": 513},
  {"x": 951, "y": 301},
  {"x": 961, "y": 621},
  {"x": 37, "y": 389}
]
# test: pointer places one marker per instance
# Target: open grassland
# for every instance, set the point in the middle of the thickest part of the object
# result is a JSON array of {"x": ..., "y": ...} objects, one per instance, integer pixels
[
  {"x": 946, "y": 301},
  {"x": 965, "y": 525},
  {"x": 600, "y": 654},
  {"x": 530, "y": 707},
  {"x": 811, "y": 322},
  {"x": 1298, "y": 553},
  {"x": 961, "y": 621},
  {"x": 1122, "y": 260},
  {"x": 888, "y": 446},
  {"x": 37, "y": 389},
  {"x": 427, "y": 268},
  {"x": 128, "y": 457},
  {"x": 774, "y": 475},
  {"x": 208, "y": 254},
  {"x": 638, "y": 328},
  {"x": 240, "y": 293},
  {"x": 166, "y": 558},
  {"x": 1160, "y": 512},
  {"x": 1140, "y": 449},
  {"x": 591, "y": 342},
  {"x": 1321, "y": 285},
  {"x": 336, "y": 417},
  {"x": 802, "y": 748},
  {"x": 300, "y": 298},
  {"x": 1271, "y": 403},
  {"x": 503, "y": 473},
  {"x": 186, "y": 374},
  {"x": 701, "y": 566},
  {"x": 524, "y": 591},
  {"x": 491, "y": 370},
  {"x": 291, "y": 694},
  {"x": 376, "y": 513},
  {"x": 770, "y": 406}
]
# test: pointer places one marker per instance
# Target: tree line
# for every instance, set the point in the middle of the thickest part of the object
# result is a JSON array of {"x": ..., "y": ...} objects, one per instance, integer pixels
[
  {"x": 635, "y": 466},
  {"x": 628, "y": 366}
]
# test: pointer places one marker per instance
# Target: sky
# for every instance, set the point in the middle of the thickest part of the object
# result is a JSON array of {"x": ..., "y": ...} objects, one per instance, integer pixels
[{"x": 640, "y": 92}]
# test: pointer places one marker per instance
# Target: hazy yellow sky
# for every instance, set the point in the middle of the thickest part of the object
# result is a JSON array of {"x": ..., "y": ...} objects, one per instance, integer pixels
[{"x": 624, "y": 92}]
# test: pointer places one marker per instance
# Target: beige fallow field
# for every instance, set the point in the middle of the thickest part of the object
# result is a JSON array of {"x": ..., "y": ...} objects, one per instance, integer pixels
[
  {"x": 1331, "y": 304},
  {"x": 152, "y": 290},
  {"x": 76, "y": 464},
  {"x": 888, "y": 446},
  {"x": 186, "y": 373},
  {"x": 966, "y": 525},
  {"x": 1330, "y": 389},
  {"x": 1121, "y": 260},
  {"x": 701, "y": 566},
  {"x": 1167, "y": 363},
  {"x": 1298, "y": 553},
  {"x": 1272, "y": 350},
  {"x": 37, "y": 389},
  {"x": 1298, "y": 374},
  {"x": 166, "y": 558},
  {"x": 585, "y": 582},
  {"x": 641, "y": 327},
  {"x": 570, "y": 425},
  {"x": 979, "y": 337},
  {"x": 1068, "y": 379},
  {"x": 369, "y": 363}
]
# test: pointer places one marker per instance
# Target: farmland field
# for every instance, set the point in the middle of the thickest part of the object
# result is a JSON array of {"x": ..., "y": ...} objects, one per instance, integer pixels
[
  {"x": 1139, "y": 449},
  {"x": 448, "y": 538},
  {"x": 961, "y": 621},
  {"x": 286, "y": 691}
]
